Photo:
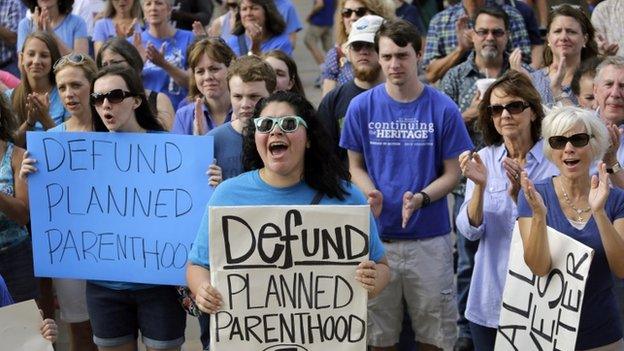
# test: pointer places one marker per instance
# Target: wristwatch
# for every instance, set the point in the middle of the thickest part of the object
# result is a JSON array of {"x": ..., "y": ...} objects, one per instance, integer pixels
[
  {"x": 426, "y": 199},
  {"x": 614, "y": 169}
]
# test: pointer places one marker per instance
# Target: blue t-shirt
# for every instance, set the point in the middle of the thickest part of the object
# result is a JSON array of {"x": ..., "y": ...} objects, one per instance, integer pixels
[
  {"x": 288, "y": 11},
  {"x": 228, "y": 149},
  {"x": 56, "y": 109},
  {"x": 154, "y": 77},
  {"x": 276, "y": 42},
  {"x": 600, "y": 322},
  {"x": 325, "y": 16},
  {"x": 412, "y": 14},
  {"x": 5, "y": 297},
  {"x": 404, "y": 146},
  {"x": 104, "y": 29},
  {"x": 71, "y": 28},
  {"x": 185, "y": 116},
  {"x": 249, "y": 189}
]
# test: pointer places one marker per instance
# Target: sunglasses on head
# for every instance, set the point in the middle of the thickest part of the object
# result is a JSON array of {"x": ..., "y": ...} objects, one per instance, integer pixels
[
  {"x": 360, "y": 12},
  {"x": 114, "y": 96},
  {"x": 287, "y": 124},
  {"x": 559, "y": 142},
  {"x": 514, "y": 107},
  {"x": 74, "y": 58},
  {"x": 496, "y": 33}
]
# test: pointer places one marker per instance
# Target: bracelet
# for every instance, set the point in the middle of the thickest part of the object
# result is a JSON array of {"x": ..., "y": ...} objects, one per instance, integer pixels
[{"x": 426, "y": 199}]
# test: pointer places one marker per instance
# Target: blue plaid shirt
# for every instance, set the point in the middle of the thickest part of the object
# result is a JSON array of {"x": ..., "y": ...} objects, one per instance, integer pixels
[
  {"x": 11, "y": 12},
  {"x": 442, "y": 37}
]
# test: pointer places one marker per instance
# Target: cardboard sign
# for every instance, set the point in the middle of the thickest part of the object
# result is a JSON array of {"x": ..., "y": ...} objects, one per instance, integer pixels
[
  {"x": 543, "y": 313},
  {"x": 19, "y": 328},
  {"x": 287, "y": 277},
  {"x": 117, "y": 206}
]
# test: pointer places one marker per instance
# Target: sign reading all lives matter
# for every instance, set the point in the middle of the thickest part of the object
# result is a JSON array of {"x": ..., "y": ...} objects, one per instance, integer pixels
[
  {"x": 543, "y": 313},
  {"x": 287, "y": 277},
  {"x": 117, "y": 206}
]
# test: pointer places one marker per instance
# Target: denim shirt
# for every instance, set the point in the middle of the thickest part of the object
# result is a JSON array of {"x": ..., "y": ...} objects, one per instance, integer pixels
[{"x": 499, "y": 217}]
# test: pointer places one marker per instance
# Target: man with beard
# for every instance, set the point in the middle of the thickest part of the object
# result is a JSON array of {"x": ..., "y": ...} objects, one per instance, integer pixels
[
  {"x": 366, "y": 70},
  {"x": 488, "y": 59}
]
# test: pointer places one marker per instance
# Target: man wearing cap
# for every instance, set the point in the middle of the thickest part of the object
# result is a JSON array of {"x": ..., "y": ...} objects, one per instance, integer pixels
[
  {"x": 367, "y": 73},
  {"x": 403, "y": 140},
  {"x": 488, "y": 59}
]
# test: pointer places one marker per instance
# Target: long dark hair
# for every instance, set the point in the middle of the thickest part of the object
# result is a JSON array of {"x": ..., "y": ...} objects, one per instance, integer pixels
[
  {"x": 122, "y": 47},
  {"x": 322, "y": 171},
  {"x": 273, "y": 20},
  {"x": 590, "y": 49},
  {"x": 293, "y": 73},
  {"x": 144, "y": 114}
]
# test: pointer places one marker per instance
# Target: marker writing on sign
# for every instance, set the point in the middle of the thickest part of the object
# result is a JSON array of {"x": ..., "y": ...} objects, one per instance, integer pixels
[{"x": 332, "y": 246}]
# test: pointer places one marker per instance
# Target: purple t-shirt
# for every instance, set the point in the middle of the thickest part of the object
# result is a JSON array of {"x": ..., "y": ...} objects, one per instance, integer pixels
[
  {"x": 404, "y": 146},
  {"x": 184, "y": 117}
]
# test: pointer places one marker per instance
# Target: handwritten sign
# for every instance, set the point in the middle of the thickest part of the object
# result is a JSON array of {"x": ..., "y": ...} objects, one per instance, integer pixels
[
  {"x": 117, "y": 206},
  {"x": 543, "y": 313},
  {"x": 287, "y": 277},
  {"x": 19, "y": 328}
]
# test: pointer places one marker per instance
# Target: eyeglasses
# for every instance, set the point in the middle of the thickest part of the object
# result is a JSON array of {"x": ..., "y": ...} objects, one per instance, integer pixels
[
  {"x": 360, "y": 12},
  {"x": 513, "y": 108},
  {"x": 287, "y": 124},
  {"x": 559, "y": 142},
  {"x": 496, "y": 33},
  {"x": 73, "y": 58},
  {"x": 360, "y": 45},
  {"x": 114, "y": 96}
]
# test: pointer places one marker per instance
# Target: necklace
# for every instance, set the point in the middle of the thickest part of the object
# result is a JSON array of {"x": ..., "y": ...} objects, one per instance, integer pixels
[{"x": 579, "y": 211}]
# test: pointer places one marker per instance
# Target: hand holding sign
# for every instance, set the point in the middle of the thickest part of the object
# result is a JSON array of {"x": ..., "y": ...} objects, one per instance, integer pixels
[
  {"x": 49, "y": 330},
  {"x": 215, "y": 175},
  {"x": 366, "y": 274},
  {"x": 28, "y": 166},
  {"x": 208, "y": 299}
]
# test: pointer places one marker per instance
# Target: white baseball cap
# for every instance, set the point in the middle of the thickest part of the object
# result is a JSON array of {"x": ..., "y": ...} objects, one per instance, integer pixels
[{"x": 364, "y": 29}]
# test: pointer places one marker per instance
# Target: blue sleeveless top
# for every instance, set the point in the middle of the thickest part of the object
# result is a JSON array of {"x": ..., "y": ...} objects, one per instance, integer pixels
[{"x": 10, "y": 232}]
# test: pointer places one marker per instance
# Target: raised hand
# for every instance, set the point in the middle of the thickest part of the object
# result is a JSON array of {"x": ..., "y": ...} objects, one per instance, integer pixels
[
  {"x": 375, "y": 200},
  {"x": 472, "y": 167},
  {"x": 198, "y": 29},
  {"x": 199, "y": 127},
  {"x": 599, "y": 191},
  {"x": 533, "y": 197},
  {"x": 606, "y": 48},
  {"x": 515, "y": 62},
  {"x": 157, "y": 56},
  {"x": 556, "y": 82},
  {"x": 464, "y": 33},
  {"x": 610, "y": 156},
  {"x": 215, "y": 174},
  {"x": 137, "y": 41},
  {"x": 410, "y": 204}
]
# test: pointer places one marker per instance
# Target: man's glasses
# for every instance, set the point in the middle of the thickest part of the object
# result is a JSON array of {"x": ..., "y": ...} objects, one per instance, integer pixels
[
  {"x": 287, "y": 124},
  {"x": 73, "y": 58},
  {"x": 114, "y": 96},
  {"x": 512, "y": 107},
  {"x": 559, "y": 142},
  {"x": 496, "y": 33},
  {"x": 360, "y": 12}
]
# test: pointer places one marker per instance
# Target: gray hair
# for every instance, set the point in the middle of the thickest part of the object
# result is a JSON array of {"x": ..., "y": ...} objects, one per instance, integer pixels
[
  {"x": 561, "y": 120},
  {"x": 616, "y": 61}
]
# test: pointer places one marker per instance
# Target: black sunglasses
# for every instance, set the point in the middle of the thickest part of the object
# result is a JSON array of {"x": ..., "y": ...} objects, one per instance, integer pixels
[
  {"x": 496, "y": 33},
  {"x": 114, "y": 96},
  {"x": 512, "y": 107},
  {"x": 360, "y": 12},
  {"x": 359, "y": 45},
  {"x": 559, "y": 142}
]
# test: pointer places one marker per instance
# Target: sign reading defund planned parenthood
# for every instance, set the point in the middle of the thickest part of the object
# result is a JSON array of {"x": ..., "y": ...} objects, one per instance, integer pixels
[
  {"x": 287, "y": 277},
  {"x": 117, "y": 206},
  {"x": 543, "y": 313}
]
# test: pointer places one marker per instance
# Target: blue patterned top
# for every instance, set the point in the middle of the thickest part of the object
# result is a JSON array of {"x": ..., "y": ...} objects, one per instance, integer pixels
[
  {"x": 337, "y": 68},
  {"x": 10, "y": 231},
  {"x": 541, "y": 82}
]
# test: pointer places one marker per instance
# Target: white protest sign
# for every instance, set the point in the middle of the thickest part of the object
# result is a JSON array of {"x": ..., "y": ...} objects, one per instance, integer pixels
[
  {"x": 543, "y": 313},
  {"x": 19, "y": 328},
  {"x": 287, "y": 277}
]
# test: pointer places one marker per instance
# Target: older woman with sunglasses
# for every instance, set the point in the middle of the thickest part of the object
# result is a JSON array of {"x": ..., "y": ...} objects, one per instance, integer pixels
[
  {"x": 583, "y": 207},
  {"x": 297, "y": 172},
  {"x": 510, "y": 115},
  {"x": 337, "y": 70}
]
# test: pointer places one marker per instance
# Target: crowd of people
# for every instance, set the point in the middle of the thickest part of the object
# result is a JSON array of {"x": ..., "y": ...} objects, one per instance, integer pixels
[{"x": 511, "y": 110}]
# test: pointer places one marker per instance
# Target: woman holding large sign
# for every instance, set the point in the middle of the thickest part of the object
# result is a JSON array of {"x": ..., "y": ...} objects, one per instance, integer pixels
[
  {"x": 286, "y": 149},
  {"x": 510, "y": 117},
  {"x": 583, "y": 207}
]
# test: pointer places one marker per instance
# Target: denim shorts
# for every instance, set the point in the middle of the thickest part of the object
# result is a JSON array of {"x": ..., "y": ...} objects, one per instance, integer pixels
[
  {"x": 118, "y": 315},
  {"x": 16, "y": 266}
]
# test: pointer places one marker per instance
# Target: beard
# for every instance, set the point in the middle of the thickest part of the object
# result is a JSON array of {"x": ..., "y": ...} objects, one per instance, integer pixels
[
  {"x": 489, "y": 53},
  {"x": 367, "y": 73}
]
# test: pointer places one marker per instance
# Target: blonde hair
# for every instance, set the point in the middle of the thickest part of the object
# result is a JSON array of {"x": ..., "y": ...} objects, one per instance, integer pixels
[{"x": 382, "y": 8}]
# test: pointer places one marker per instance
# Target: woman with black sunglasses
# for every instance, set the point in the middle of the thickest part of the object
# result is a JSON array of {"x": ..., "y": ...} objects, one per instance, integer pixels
[
  {"x": 583, "y": 207},
  {"x": 510, "y": 115}
]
